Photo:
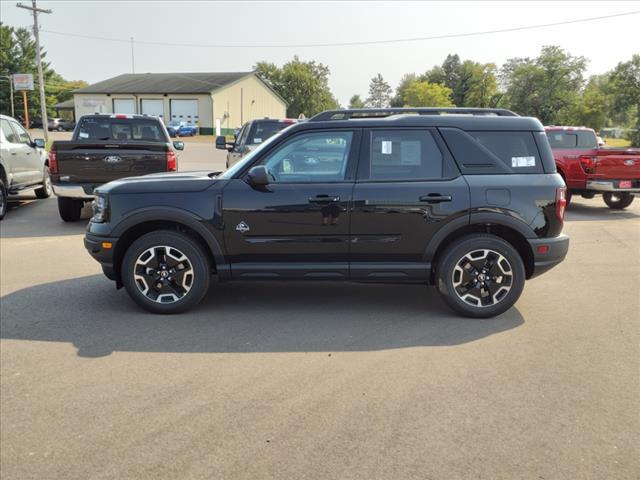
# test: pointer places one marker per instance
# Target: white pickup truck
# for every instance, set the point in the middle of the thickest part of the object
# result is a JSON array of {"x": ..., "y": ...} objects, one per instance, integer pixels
[{"x": 23, "y": 162}]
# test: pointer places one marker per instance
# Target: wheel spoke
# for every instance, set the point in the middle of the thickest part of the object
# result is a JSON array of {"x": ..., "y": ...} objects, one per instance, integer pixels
[{"x": 163, "y": 274}]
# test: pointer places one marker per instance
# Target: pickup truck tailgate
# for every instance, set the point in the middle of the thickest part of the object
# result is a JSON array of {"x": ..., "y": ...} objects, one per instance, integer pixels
[
  {"x": 618, "y": 164},
  {"x": 100, "y": 162}
]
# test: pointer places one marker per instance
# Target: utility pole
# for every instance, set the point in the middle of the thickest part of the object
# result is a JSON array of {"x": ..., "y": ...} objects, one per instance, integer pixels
[
  {"x": 133, "y": 65},
  {"x": 36, "y": 33}
]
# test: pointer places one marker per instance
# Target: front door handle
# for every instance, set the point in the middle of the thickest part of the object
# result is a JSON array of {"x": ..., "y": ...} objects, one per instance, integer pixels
[
  {"x": 435, "y": 198},
  {"x": 324, "y": 199}
]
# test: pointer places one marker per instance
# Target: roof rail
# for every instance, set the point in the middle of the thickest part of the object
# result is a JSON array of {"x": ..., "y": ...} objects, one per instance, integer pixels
[{"x": 387, "y": 112}]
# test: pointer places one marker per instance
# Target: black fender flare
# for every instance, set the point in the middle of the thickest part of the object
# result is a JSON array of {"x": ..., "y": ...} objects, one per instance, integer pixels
[
  {"x": 177, "y": 215},
  {"x": 478, "y": 218}
]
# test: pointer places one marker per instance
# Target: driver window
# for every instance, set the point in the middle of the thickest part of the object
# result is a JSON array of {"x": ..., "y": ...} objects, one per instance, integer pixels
[{"x": 310, "y": 158}]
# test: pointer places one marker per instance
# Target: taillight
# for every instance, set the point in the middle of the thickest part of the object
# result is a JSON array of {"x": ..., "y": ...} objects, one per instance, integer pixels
[
  {"x": 172, "y": 161},
  {"x": 588, "y": 163},
  {"x": 561, "y": 202},
  {"x": 53, "y": 161}
]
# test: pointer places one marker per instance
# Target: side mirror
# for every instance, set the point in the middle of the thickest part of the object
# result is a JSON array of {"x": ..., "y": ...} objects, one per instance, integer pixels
[
  {"x": 258, "y": 176},
  {"x": 39, "y": 142},
  {"x": 178, "y": 145},
  {"x": 221, "y": 142}
]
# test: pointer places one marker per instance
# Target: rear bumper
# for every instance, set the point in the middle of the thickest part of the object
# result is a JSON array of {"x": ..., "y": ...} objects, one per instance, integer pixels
[
  {"x": 556, "y": 251},
  {"x": 612, "y": 186},
  {"x": 99, "y": 249},
  {"x": 73, "y": 191}
]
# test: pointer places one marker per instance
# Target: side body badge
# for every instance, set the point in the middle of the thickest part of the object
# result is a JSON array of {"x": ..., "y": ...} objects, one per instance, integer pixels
[{"x": 242, "y": 227}]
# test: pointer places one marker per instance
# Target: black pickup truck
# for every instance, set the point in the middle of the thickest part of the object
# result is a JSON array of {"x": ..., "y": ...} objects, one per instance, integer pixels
[{"x": 107, "y": 147}]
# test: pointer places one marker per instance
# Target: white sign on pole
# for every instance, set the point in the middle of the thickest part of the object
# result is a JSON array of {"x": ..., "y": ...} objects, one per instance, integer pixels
[{"x": 22, "y": 81}]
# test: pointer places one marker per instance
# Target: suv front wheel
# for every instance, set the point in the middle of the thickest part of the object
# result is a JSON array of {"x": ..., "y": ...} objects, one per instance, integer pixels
[
  {"x": 166, "y": 272},
  {"x": 480, "y": 275}
]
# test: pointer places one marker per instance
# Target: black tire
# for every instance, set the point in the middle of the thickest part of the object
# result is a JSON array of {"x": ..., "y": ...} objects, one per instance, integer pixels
[
  {"x": 190, "y": 290},
  {"x": 510, "y": 279},
  {"x": 617, "y": 200},
  {"x": 45, "y": 191},
  {"x": 70, "y": 209},
  {"x": 568, "y": 196},
  {"x": 3, "y": 199},
  {"x": 60, "y": 128}
]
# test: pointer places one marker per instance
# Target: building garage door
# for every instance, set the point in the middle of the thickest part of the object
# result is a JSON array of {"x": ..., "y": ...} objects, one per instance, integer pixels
[
  {"x": 185, "y": 111},
  {"x": 124, "y": 105},
  {"x": 152, "y": 107}
]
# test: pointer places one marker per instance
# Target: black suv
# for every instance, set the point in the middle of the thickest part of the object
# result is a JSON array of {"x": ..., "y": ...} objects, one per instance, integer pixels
[{"x": 467, "y": 200}]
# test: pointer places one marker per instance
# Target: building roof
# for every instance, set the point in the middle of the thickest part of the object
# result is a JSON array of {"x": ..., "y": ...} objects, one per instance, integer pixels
[
  {"x": 134, "y": 83},
  {"x": 66, "y": 105}
]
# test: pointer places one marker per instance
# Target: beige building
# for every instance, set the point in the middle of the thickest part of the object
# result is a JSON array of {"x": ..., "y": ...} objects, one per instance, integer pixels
[{"x": 215, "y": 102}]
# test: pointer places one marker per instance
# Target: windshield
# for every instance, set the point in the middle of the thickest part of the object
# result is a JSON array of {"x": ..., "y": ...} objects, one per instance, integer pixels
[{"x": 231, "y": 172}]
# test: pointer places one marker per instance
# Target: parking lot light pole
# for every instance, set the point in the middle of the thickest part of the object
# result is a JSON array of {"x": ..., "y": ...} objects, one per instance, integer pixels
[
  {"x": 36, "y": 33},
  {"x": 10, "y": 79}
]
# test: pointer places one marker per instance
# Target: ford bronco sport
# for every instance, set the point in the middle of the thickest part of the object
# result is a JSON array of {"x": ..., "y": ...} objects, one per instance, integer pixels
[{"x": 467, "y": 200}]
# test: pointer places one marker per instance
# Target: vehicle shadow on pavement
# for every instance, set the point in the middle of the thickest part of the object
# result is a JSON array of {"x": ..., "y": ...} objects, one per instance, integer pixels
[
  {"x": 29, "y": 217},
  {"x": 596, "y": 212},
  {"x": 243, "y": 317}
]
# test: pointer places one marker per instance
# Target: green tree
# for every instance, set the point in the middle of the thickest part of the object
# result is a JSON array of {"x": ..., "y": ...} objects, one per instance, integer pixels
[
  {"x": 594, "y": 106},
  {"x": 379, "y": 93},
  {"x": 398, "y": 99},
  {"x": 472, "y": 84},
  {"x": 425, "y": 94},
  {"x": 18, "y": 55},
  {"x": 304, "y": 85},
  {"x": 625, "y": 83},
  {"x": 547, "y": 87},
  {"x": 356, "y": 102}
]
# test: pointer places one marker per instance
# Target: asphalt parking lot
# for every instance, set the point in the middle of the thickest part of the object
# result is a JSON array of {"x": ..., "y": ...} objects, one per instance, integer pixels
[{"x": 341, "y": 381}]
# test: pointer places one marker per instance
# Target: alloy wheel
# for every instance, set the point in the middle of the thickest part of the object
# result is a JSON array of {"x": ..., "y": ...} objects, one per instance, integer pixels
[
  {"x": 163, "y": 274},
  {"x": 482, "y": 278}
]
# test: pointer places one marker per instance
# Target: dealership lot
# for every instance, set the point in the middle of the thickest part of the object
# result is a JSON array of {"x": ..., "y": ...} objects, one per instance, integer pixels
[{"x": 289, "y": 380}]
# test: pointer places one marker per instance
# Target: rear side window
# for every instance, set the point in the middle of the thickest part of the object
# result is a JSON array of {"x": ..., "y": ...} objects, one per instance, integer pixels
[
  {"x": 403, "y": 155},
  {"x": 120, "y": 129},
  {"x": 517, "y": 150},
  {"x": 572, "y": 139},
  {"x": 260, "y": 131}
]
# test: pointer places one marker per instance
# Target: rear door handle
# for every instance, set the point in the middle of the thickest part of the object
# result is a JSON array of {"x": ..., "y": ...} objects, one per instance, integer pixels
[
  {"x": 324, "y": 199},
  {"x": 435, "y": 198}
]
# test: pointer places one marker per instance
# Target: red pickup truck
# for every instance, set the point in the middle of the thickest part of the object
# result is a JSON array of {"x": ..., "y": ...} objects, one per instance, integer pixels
[{"x": 589, "y": 169}]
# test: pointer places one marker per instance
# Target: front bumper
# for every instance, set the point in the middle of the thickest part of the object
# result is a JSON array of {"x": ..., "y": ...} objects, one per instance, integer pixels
[
  {"x": 74, "y": 191},
  {"x": 103, "y": 250},
  {"x": 545, "y": 259},
  {"x": 612, "y": 186}
]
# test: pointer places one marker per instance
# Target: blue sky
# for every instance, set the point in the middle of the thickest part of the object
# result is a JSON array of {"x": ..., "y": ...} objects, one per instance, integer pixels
[{"x": 604, "y": 42}]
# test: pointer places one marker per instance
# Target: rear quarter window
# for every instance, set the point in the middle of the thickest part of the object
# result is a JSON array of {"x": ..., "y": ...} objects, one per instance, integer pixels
[{"x": 516, "y": 150}]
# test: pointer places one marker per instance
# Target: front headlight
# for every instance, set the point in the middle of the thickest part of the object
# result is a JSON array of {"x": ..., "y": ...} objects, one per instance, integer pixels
[{"x": 100, "y": 209}]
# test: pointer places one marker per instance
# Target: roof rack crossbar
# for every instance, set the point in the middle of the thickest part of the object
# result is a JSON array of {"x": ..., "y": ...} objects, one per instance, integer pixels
[{"x": 387, "y": 112}]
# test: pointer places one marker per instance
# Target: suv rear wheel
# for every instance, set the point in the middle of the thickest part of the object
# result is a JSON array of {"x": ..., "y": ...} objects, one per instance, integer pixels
[
  {"x": 480, "y": 275},
  {"x": 70, "y": 209},
  {"x": 166, "y": 272},
  {"x": 617, "y": 200}
]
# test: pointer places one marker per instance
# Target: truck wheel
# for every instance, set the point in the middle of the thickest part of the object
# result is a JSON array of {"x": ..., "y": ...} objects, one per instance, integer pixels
[
  {"x": 480, "y": 276},
  {"x": 3, "y": 200},
  {"x": 567, "y": 197},
  {"x": 45, "y": 190},
  {"x": 166, "y": 272},
  {"x": 70, "y": 209},
  {"x": 617, "y": 200}
]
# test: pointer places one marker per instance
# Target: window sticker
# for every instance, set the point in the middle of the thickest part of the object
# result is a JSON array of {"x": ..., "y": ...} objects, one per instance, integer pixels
[
  {"x": 257, "y": 140},
  {"x": 387, "y": 148},
  {"x": 523, "y": 162},
  {"x": 83, "y": 135}
]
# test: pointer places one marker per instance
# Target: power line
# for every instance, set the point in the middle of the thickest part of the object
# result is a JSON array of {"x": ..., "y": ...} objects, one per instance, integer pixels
[{"x": 348, "y": 44}]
